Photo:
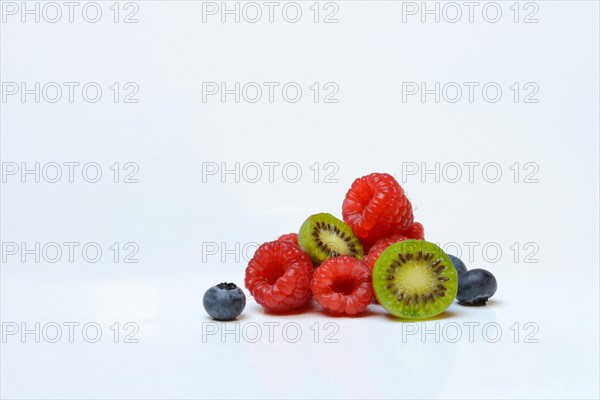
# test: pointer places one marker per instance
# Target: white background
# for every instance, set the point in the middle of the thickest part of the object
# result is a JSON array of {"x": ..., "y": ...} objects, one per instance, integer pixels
[{"x": 185, "y": 222}]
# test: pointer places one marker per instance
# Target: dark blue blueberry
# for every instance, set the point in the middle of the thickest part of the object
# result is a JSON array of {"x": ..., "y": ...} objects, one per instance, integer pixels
[
  {"x": 458, "y": 264},
  {"x": 224, "y": 302},
  {"x": 475, "y": 287}
]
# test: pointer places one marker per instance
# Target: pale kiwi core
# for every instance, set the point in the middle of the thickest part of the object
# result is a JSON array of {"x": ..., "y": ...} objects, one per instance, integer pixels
[
  {"x": 334, "y": 242},
  {"x": 415, "y": 278}
]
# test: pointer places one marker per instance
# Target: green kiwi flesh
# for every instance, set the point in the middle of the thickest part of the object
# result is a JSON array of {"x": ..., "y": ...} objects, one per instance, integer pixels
[
  {"x": 323, "y": 236},
  {"x": 414, "y": 279}
]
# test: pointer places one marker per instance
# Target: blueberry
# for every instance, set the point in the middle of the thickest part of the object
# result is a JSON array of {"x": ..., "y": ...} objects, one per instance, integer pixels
[
  {"x": 458, "y": 264},
  {"x": 475, "y": 287},
  {"x": 224, "y": 301}
]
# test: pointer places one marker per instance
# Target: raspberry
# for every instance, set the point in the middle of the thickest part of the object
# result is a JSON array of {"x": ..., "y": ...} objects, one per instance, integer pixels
[
  {"x": 415, "y": 231},
  {"x": 279, "y": 275},
  {"x": 379, "y": 247},
  {"x": 376, "y": 207},
  {"x": 289, "y": 237},
  {"x": 343, "y": 285}
]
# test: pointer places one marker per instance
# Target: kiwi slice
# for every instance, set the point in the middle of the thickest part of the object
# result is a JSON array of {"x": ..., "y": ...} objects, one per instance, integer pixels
[
  {"x": 323, "y": 236},
  {"x": 414, "y": 279}
]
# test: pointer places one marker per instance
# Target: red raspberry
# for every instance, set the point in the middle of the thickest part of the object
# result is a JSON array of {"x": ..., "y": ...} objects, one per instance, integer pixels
[
  {"x": 279, "y": 275},
  {"x": 376, "y": 207},
  {"x": 379, "y": 247},
  {"x": 289, "y": 237},
  {"x": 416, "y": 231},
  {"x": 343, "y": 285}
]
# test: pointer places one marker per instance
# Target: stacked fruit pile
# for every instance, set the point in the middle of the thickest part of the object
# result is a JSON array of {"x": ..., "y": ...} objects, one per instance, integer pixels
[{"x": 409, "y": 277}]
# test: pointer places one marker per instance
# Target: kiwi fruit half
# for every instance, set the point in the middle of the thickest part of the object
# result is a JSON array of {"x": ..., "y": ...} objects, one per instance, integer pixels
[
  {"x": 414, "y": 279},
  {"x": 323, "y": 236}
]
